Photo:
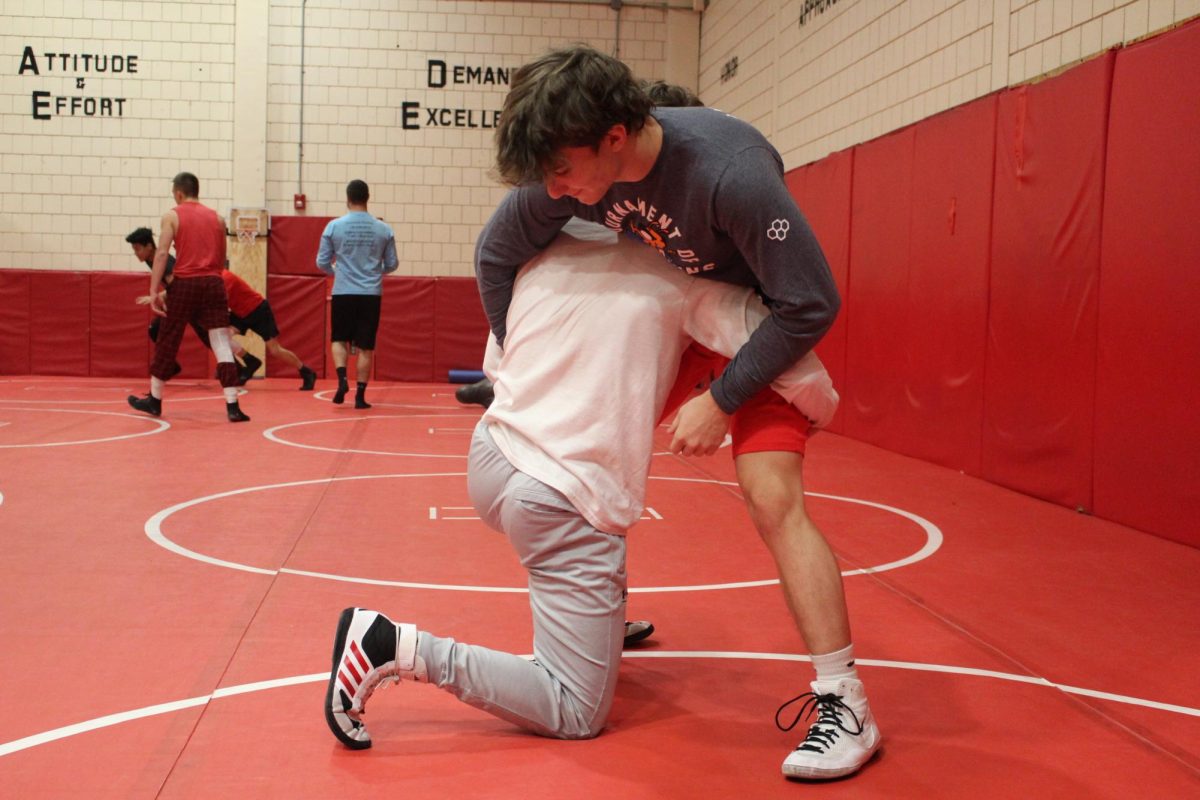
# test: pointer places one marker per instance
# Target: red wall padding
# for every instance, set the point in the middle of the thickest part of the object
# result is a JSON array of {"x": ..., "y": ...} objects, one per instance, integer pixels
[
  {"x": 60, "y": 306},
  {"x": 879, "y": 265},
  {"x": 408, "y": 318},
  {"x": 918, "y": 281},
  {"x": 1148, "y": 377},
  {"x": 460, "y": 335},
  {"x": 15, "y": 333},
  {"x": 119, "y": 344},
  {"x": 293, "y": 244},
  {"x": 300, "y": 305},
  {"x": 822, "y": 190},
  {"x": 1045, "y": 267},
  {"x": 942, "y": 402}
]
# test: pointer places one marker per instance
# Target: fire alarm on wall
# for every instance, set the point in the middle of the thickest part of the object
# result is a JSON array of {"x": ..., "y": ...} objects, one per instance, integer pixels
[{"x": 298, "y": 202}]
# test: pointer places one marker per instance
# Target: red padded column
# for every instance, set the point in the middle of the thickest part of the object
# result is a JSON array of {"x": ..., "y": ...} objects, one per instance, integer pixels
[
  {"x": 460, "y": 327},
  {"x": 15, "y": 332},
  {"x": 822, "y": 190},
  {"x": 1147, "y": 436},
  {"x": 941, "y": 408},
  {"x": 293, "y": 244},
  {"x": 119, "y": 344},
  {"x": 879, "y": 266},
  {"x": 59, "y": 310},
  {"x": 405, "y": 348},
  {"x": 1037, "y": 435},
  {"x": 299, "y": 305}
]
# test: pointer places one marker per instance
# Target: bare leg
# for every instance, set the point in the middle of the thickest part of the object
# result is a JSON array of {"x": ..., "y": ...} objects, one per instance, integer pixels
[
  {"x": 773, "y": 485},
  {"x": 340, "y": 352},
  {"x": 279, "y": 351},
  {"x": 363, "y": 365}
]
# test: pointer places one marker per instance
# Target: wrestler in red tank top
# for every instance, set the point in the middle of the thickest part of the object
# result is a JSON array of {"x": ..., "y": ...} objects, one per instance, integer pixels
[{"x": 199, "y": 241}]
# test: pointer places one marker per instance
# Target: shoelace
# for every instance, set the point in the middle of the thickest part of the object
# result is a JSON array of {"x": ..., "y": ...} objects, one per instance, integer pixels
[
  {"x": 382, "y": 678},
  {"x": 824, "y": 731}
]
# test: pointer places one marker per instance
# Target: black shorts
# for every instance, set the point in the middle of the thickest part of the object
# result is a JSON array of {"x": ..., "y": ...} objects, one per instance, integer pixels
[
  {"x": 261, "y": 320},
  {"x": 355, "y": 318}
]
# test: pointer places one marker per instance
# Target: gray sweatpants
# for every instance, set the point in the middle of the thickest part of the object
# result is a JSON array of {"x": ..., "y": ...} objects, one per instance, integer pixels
[{"x": 577, "y": 596}]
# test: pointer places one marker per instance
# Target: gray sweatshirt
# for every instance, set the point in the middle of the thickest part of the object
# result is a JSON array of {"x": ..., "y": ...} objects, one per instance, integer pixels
[{"x": 713, "y": 205}]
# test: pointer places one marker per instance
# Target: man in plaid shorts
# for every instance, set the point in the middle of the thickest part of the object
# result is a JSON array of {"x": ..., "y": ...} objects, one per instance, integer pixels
[{"x": 197, "y": 294}]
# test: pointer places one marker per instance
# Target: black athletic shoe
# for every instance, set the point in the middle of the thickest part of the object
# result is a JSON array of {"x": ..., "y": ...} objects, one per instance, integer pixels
[
  {"x": 479, "y": 393},
  {"x": 339, "y": 396},
  {"x": 309, "y": 378},
  {"x": 234, "y": 412},
  {"x": 637, "y": 631},
  {"x": 147, "y": 405},
  {"x": 250, "y": 365}
]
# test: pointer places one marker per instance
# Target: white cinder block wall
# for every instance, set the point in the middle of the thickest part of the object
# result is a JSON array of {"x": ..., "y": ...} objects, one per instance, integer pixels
[
  {"x": 80, "y": 172},
  {"x": 856, "y": 69},
  {"x": 74, "y": 183}
]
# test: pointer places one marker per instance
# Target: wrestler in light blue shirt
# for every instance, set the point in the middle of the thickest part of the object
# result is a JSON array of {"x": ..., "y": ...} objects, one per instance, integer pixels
[{"x": 364, "y": 249}]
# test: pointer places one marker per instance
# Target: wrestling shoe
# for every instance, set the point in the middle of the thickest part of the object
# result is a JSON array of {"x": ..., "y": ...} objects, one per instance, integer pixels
[
  {"x": 368, "y": 648},
  {"x": 843, "y": 738},
  {"x": 479, "y": 393},
  {"x": 309, "y": 378},
  {"x": 250, "y": 365},
  {"x": 235, "y": 413},
  {"x": 637, "y": 630},
  {"x": 147, "y": 405}
]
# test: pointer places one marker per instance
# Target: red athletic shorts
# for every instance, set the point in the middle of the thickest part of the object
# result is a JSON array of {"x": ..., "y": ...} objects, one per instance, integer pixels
[{"x": 764, "y": 423}]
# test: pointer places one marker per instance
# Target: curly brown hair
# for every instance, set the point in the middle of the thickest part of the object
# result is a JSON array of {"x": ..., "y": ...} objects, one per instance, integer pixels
[
  {"x": 670, "y": 95},
  {"x": 569, "y": 97}
]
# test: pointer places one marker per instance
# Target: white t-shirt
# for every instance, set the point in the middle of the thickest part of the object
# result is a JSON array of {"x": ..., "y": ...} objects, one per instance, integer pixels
[{"x": 596, "y": 328}]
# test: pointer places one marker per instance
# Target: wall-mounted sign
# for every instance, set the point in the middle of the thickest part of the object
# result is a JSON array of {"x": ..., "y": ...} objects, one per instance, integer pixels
[
  {"x": 813, "y": 7},
  {"x": 81, "y": 67},
  {"x": 440, "y": 75}
]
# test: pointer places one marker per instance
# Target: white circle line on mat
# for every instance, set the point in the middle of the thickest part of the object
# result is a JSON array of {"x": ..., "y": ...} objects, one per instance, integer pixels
[
  {"x": 110, "y": 720},
  {"x": 271, "y": 435},
  {"x": 121, "y": 389},
  {"x": 154, "y": 531},
  {"x": 162, "y": 426}
]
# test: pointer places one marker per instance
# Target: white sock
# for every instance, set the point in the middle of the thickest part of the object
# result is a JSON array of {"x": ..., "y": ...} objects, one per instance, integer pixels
[
  {"x": 156, "y": 387},
  {"x": 835, "y": 666},
  {"x": 231, "y": 394}
]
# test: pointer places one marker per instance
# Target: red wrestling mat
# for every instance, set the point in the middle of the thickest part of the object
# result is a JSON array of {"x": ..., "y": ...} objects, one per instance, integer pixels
[{"x": 169, "y": 590}]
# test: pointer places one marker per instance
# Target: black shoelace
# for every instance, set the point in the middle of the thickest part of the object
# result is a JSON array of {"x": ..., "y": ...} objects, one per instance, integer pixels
[{"x": 824, "y": 731}]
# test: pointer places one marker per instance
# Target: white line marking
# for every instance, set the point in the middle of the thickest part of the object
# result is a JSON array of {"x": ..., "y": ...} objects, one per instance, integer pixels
[
  {"x": 154, "y": 532},
  {"x": 153, "y": 527},
  {"x": 110, "y": 720},
  {"x": 124, "y": 390},
  {"x": 326, "y": 395},
  {"x": 162, "y": 425},
  {"x": 433, "y": 512},
  {"x": 653, "y": 513},
  {"x": 933, "y": 535},
  {"x": 270, "y": 433}
]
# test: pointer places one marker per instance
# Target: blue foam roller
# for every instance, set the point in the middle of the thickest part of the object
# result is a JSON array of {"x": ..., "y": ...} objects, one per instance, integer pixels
[{"x": 466, "y": 375}]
